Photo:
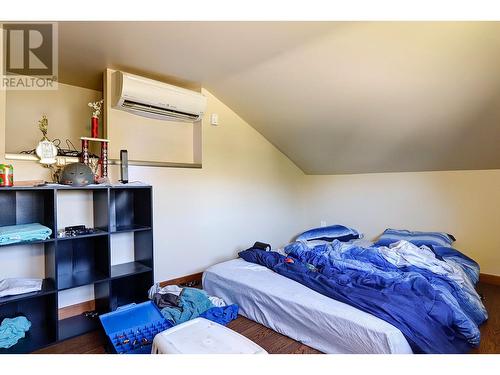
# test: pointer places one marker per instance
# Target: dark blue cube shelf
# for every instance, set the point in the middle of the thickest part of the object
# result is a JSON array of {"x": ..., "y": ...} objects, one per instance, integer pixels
[{"x": 71, "y": 262}]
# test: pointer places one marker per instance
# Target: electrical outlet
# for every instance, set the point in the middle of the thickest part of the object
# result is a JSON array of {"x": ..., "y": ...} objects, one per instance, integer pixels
[{"x": 323, "y": 223}]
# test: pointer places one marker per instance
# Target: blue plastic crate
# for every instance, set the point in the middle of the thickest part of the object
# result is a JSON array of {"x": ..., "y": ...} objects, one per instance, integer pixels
[{"x": 132, "y": 328}]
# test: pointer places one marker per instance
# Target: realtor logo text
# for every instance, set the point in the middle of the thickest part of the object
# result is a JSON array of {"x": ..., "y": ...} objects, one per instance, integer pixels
[{"x": 29, "y": 56}]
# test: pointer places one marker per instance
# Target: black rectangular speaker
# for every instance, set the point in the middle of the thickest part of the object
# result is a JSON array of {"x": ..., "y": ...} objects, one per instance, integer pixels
[{"x": 124, "y": 166}]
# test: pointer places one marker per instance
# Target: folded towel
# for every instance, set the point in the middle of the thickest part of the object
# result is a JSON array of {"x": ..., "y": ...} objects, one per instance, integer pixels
[
  {"x": 23, "y": 232},
  {"x": 11, "y": 330},
  {"x": 14, "y": 286}
]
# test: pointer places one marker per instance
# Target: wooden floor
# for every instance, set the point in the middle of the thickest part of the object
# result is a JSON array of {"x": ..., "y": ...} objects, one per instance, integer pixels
[
  {"x": 490, "y": 331},
  {"x": 275, "y": 343}
]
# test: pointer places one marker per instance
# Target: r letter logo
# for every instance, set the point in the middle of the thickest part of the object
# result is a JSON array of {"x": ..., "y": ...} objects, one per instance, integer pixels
[{"x": 30, "y": 56}]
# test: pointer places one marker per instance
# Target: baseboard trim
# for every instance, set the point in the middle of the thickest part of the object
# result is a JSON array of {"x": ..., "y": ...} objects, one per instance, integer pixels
[
  {"x": 489, "y": 279},
  {"x": 77, "y": 309},
  {"x": 195, "y": 277}
]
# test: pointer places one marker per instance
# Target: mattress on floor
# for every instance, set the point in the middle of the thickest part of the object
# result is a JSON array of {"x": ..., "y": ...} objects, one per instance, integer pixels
[{"x": 301, "y": 313}]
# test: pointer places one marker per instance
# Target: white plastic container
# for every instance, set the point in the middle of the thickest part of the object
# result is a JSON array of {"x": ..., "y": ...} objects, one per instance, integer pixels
[{"x": 201, "y": 336}]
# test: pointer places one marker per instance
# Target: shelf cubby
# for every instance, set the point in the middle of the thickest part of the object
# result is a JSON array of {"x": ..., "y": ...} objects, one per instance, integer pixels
[
  {"x": 33, "y": 255},
  {"x": 75, "y": 326},
  {"x": 82, "y": 261},
  {"x": 25, "y": 206},
  {"x": 48, "y": 287},
  {"x": 92, "y": 211},
  {"x": 41, "y": 311},
  {"x": 130, "y": 289},
  {"x": 131, "y": 247},
  {"x": 130, "y": 209}
]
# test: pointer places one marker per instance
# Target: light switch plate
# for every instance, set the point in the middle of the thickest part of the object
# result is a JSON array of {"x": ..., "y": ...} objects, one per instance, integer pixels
[{"x": 214, "y": 119}]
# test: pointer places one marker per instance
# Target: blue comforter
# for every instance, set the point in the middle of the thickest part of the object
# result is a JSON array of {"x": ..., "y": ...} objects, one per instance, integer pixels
[{"x": 429, "y": 302}]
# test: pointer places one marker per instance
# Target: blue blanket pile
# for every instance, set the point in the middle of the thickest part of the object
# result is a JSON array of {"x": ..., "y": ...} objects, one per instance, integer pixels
[
  {"x": 427, "y": 294},
  {"x": 193, "y": 303}
]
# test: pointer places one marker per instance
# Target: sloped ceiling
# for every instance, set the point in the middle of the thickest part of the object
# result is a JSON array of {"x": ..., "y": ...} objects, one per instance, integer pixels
[{"x": 335, "y": 97}]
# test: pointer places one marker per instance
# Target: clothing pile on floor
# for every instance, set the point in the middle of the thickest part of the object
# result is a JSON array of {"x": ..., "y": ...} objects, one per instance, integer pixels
[
  {"x": 178, "y": 305},
  {"x": 12, "y": 330}
]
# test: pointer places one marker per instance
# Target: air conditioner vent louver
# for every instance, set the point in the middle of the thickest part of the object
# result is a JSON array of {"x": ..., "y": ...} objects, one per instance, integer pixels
[
  {"x": 149, "y": 98},
  {"x": 169, "y": 113}
]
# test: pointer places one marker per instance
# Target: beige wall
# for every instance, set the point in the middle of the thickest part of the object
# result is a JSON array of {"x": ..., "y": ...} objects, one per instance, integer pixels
[
  {"x": 464, "y": 203},
  {"x": 66, "y": 108},
  {"x": 246, "y": 191}
]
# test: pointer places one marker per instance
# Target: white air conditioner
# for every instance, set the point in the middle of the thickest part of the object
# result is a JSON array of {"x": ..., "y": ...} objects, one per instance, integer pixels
[{"x": 149, "y": 98}]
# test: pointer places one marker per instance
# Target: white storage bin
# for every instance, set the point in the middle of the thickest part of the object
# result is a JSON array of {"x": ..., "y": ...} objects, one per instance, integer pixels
[{"x": 201, "y": 336}]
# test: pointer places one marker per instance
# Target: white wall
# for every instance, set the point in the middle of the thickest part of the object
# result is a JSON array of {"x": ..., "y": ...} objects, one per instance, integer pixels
[
  {"x": 463, "y": 203},
  {"x": 246, "y": 191},
  {"x": 66, "y": 109}
]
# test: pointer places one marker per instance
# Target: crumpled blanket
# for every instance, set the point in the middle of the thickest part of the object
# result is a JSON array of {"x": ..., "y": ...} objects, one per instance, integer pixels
[
  {"x": 407, "y": 300},
  {"x": 12, "y": 330},
  {"x": 221, "y": 315},
  {"x": 192, "y": 303}
]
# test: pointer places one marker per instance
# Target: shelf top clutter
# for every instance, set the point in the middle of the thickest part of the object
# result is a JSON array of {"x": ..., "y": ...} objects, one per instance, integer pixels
[{"x": 68, "y": 187}]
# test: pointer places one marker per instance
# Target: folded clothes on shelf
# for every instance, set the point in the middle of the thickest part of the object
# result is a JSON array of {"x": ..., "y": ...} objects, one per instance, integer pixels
[
  {"x": 14, "y": 286},
  {"x": 23, "y": 232}
]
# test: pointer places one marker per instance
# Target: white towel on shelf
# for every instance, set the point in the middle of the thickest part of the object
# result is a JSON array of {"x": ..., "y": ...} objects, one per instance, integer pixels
[{"x": 14, "y": 286}]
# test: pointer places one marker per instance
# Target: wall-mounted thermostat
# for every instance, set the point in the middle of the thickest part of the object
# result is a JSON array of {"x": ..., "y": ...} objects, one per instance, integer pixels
[{"x": 214, "y": 119}]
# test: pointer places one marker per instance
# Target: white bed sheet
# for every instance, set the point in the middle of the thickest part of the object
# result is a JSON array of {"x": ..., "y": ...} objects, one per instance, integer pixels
[{"x": 301, "y": 313}]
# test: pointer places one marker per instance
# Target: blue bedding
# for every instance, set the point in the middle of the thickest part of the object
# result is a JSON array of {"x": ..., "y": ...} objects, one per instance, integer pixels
[
  {"x": 448, "y": 275},
  {"x": 430, "y": 300}
]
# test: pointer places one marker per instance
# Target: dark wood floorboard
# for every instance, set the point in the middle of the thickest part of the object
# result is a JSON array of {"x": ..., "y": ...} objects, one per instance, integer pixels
[
  {"x": 490, "y": 331},
  {"x": 273, "y": 342},
  {"x": 276, "y": 343},
  {"x": 90, "y": 343}
]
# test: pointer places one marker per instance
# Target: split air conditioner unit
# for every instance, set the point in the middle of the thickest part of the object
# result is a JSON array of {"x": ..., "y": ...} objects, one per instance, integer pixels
[{"x": 154, "y": 99}]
